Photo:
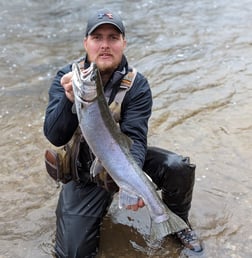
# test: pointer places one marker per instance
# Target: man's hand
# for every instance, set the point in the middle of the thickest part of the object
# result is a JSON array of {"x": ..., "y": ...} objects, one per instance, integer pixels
[
  {"x": 135, "y": 207},
  {"x": 66, "y": 82}
]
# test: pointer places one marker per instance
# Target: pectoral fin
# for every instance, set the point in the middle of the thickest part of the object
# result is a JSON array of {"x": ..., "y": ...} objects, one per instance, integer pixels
[{"x": 96, "y": 168}]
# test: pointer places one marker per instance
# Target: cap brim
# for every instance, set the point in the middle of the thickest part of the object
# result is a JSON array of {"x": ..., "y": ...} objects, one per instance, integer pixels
[{"x": 101, "y": 23}]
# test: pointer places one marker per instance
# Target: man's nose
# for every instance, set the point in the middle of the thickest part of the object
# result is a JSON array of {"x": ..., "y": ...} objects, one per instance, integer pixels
[{"x": 105, "y": 43}]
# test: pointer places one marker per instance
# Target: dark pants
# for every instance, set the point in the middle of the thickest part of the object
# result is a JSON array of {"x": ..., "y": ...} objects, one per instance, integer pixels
[{"x": 81, "y": 207}]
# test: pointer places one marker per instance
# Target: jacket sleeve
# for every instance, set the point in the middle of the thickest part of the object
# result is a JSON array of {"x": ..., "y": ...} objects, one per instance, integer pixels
[
  {"x": 135, "y": 114},
  {"x": 60, "y": 123}
]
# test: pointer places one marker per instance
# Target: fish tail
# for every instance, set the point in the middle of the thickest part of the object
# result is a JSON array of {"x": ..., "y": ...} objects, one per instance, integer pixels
[{"x": 172, "y": 225}]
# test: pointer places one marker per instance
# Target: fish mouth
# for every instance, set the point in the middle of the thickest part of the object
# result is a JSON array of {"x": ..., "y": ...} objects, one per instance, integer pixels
[{"x": 90, "y": 72}]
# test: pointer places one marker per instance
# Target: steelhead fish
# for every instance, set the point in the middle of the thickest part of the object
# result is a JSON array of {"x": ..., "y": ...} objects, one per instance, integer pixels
[{"x": 112, "y": 150}]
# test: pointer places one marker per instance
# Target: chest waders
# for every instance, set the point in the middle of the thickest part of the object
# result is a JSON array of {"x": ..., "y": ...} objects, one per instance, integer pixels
[{"x": 82, "y": 206}]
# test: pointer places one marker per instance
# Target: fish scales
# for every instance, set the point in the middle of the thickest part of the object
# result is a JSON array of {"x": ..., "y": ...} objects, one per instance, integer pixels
[{"x": 112, "y": 150}]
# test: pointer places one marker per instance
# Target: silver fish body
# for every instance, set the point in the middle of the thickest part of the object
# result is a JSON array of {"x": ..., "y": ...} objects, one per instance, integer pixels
[{"x": 112, "y": 150}]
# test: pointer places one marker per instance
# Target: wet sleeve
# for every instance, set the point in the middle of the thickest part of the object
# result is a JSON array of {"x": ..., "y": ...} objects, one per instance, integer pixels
[
  {"x": 60, "y": 122},
  {"x": 135, "y": 114}
]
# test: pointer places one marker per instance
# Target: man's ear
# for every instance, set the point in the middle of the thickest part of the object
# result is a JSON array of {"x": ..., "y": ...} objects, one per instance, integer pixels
[
  {"x": 85, "y": 43},
  {"x": 124, "y": 43}
]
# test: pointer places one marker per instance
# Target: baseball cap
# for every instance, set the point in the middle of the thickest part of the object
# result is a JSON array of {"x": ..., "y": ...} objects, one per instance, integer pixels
[{"x": 104, "y": 16}]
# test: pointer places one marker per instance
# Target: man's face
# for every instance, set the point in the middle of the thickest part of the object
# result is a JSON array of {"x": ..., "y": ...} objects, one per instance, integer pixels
[{"x": 105, "y": 47}]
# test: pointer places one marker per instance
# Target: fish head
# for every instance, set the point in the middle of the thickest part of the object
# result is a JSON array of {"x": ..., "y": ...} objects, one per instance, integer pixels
[{"x": 84, "y": 83}]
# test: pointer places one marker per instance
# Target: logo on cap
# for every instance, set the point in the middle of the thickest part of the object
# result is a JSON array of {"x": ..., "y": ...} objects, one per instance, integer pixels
[{"x": 101, "y": 15}]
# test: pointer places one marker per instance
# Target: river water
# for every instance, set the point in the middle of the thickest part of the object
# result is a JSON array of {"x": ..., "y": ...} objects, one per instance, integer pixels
[{"x": 197, "y": 56}]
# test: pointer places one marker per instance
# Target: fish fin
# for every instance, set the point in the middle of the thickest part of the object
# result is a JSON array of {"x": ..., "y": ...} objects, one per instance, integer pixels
[
  {"x": 126, "y": 198},
  {"x": 96, "y": 168},
  {"x": 172, "y": 225}
]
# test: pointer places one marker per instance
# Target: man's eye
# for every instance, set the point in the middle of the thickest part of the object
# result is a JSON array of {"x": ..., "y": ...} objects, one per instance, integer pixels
[
  {"x": 114, "y": 37},
  {"x": 96, "y": 37}
]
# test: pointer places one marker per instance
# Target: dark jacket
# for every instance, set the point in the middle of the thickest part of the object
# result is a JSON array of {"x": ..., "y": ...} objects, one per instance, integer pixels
[{"x": 60, "y": 122}]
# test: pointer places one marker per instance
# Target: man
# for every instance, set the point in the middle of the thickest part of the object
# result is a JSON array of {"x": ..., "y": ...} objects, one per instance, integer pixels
[{"x": 83, "y": 204}]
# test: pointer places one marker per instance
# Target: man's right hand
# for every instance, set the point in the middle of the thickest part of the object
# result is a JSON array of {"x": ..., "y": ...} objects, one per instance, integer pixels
[{"x": 66, "y": 82}]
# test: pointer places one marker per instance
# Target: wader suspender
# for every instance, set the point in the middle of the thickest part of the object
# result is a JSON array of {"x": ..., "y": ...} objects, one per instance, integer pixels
[{"x": 126, "y": 83}]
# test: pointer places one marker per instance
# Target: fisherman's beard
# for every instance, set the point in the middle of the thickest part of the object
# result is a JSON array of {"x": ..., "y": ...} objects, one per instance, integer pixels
[{"x": 106, "y": 68}]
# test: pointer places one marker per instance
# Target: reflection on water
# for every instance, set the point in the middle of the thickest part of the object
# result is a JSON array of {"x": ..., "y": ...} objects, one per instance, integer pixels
[{"x": 198, "y": 59}]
